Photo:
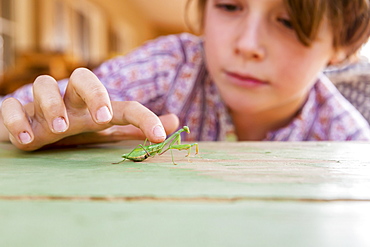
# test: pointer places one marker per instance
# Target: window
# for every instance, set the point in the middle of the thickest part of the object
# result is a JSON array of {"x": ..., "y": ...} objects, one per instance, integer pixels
[
  {"x": 83, "y": 35},
  {"x": 60, "y": 32},
  {"x": 6, "y": 35}
]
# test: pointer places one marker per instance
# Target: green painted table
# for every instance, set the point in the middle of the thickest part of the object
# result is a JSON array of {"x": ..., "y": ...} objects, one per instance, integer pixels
[{"x": 233, "y": 194}]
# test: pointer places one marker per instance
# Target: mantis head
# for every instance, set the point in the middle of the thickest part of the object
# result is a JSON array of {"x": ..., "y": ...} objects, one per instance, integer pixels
[{"x": 186, "y": 129}]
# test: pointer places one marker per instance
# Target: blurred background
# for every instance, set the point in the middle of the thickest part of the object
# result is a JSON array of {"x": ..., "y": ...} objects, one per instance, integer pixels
[{"x": 55, "y": 36}]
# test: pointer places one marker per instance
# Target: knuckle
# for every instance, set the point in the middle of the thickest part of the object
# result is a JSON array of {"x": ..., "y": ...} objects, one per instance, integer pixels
[
  {"x": 50, "y": 104},
  {"x": 80, "y": 72},
  {"x": 49, "y": 100},
  {"x": 87, "y": 84},
  {"x": 51, "y": 107},
  {"x": 12, "y": 120},
  {"x": 43, "y": 80},
  {"x": 7, "y": 102},
  {"x": 139, "y": 112},
  {"x": 97, "y": 91},
  {"x": 9, "y": 106},
  {"x": 133, "y": 104}
]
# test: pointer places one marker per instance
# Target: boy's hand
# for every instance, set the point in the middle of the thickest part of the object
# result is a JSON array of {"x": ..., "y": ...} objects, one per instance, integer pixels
[{"x": 79, "y": 117}]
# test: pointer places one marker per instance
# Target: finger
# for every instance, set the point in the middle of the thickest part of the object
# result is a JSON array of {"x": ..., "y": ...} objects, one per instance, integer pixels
[
  {"x": 85, "y": 90},
  {"x": 49, "y": 104},
  {"x": 170, "y": 122},
  {"x": 132, "y": 112},
  {"x": 118, "y": 133},
  {"x": 17, "y": 122}
]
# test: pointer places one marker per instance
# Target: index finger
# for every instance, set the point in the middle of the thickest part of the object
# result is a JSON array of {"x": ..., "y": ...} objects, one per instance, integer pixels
[
  {"x": 84, "y": 90},
  {"x": 132, "y": 112}
]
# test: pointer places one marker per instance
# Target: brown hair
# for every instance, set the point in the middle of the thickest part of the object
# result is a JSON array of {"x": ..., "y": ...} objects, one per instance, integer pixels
[{"x": 349, "y": 19}]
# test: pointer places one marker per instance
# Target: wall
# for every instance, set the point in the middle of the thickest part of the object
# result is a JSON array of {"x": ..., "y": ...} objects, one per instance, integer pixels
[{"x": 55, "y": 36}]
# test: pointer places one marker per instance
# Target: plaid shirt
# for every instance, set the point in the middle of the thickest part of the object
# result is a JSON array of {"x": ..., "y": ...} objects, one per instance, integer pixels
[{"x": 168, "y": 75}]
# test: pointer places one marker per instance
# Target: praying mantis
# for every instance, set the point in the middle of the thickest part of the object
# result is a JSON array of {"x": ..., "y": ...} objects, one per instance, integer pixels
[{"x": 143, "y": 152}]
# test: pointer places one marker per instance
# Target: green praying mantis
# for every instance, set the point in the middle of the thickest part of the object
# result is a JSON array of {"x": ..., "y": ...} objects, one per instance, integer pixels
[{"x": 143, "y": 152}]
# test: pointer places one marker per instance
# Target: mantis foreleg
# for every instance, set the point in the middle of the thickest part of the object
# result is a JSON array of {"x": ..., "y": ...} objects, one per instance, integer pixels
[{"x": 182, "y": 147}]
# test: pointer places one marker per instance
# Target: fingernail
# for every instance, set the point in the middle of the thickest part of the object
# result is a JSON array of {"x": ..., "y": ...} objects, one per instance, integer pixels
[
  {"x": 24, "y": 137},
  {"x": 103, "y": 115},
  {"x": 159, "y": 132},
  {"x": 59, "y": 124}
]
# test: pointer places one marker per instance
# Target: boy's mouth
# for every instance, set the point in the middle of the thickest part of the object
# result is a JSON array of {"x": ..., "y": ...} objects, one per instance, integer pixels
[{"x": 244, "y": 80}]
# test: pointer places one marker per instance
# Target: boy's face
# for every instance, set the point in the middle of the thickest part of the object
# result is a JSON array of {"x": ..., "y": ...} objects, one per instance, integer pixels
[{"x": 255, "y": 57}]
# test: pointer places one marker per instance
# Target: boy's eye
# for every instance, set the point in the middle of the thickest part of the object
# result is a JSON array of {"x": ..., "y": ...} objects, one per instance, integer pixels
[
  {"x": 287, "y": 23},
  {"x": 228, "y": 7}
]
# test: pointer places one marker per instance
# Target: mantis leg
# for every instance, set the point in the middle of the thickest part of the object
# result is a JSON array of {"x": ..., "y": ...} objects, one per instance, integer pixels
[
  {"x": 186, "y": 147},
  {"x": 143, "y": 147},
  {"x": 183, "y": 147},
  {"x": 146, "y": 140},
  {"x": 119, "y": 162},
  {"x": 123, "y": 160},
  {"x": 172, "y": 158},
  {"x": 136, "y": 157},
  {"x": 176, "y": 139}
]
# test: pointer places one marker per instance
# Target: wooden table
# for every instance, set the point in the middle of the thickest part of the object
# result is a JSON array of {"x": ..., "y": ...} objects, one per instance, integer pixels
[{"x": 233, "y": 194}]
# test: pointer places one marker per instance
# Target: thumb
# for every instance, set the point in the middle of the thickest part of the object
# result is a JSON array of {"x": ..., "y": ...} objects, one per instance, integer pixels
[{"x": 170, "y": 123}]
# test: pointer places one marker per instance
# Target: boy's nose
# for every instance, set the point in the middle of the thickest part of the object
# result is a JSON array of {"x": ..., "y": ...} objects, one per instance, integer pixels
[{"x": 249, "y": 41}]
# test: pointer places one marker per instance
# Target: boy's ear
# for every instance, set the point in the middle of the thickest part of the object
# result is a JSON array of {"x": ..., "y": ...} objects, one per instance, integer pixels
[{"x": 338, "y": 57}]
